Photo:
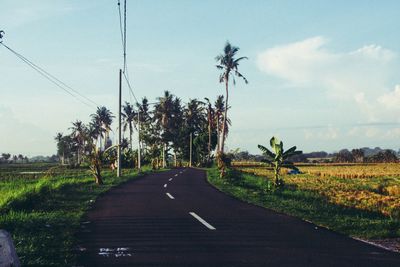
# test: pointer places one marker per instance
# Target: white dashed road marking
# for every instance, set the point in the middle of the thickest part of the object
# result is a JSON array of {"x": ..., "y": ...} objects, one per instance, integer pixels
[
  {"x": 165, "y": 186},
  {"x": 170, "y": 179},
  {"x": 206, "y": 224},
  {"x": 170, "y": 196}
]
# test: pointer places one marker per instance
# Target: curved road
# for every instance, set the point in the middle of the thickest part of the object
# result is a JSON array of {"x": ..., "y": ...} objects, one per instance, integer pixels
[{"x": 176, "y": 218}]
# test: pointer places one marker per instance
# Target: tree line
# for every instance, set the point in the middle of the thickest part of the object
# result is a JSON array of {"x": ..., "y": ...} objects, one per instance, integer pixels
[
  {"x": 166, "y": 128},
  {"x": 8, "y": 158},
  {"x": 358, "y": 155}
]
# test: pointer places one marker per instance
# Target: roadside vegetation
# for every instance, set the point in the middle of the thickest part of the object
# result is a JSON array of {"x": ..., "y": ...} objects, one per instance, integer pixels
[
  {"x": 359, "y": 207},
  {"x": 307, "y": 204},
  {"x": 43, "y": 214}
]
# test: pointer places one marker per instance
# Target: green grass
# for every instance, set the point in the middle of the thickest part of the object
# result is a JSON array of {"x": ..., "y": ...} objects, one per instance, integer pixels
[
  {"x": 306, "y": 205},
  {"x": 43, "y": 214}
]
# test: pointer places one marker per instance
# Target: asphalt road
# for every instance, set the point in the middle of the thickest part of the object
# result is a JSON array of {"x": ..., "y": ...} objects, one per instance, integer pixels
[{"x": 176, "y": 218}]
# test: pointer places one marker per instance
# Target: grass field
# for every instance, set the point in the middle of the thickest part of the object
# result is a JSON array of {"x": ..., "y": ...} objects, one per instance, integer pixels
[
  {"x": 41, "y": 206},
  {"x": 372, "y": 187},
  {"x": 360, "y": 207}
]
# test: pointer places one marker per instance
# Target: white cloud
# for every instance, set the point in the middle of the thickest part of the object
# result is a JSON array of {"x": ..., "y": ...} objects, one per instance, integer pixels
[
  {"x": 391, "y": 100},
  {"x": 361, "y": 77}
]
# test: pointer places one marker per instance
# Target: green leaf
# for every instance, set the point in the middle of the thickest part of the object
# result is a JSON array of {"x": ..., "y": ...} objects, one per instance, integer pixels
[
  {"x": 266, "y": 151},
  {"x": 273, "y": 141}
]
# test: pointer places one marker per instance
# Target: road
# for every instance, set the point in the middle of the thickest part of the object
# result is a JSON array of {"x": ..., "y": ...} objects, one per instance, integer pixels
[{"x": 176, "y": 218}]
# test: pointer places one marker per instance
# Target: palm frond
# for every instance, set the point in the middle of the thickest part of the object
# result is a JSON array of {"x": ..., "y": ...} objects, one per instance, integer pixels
[
  {"x": 236, "y": 61},
  {"x": 241, "y": 76}
]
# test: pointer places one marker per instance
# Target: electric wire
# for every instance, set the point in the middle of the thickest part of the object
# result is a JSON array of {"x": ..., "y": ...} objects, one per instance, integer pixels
[
  {"x": 123, "y": 39},
  {"x": 60, "y": 84}
]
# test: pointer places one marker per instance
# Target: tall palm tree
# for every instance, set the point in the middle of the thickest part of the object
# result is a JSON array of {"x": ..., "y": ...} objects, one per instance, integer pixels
[
  {"x": 60, "y": 146},
  {"x": 210, "y": 115},
  {"x": 78, "y": 132},
  {"x": 229, "y": 66},
  {"x": 219, "y": 110},
  {"x": 102, "y": 120},
  {"x": 163, "y": 112},
  {"x": 129, "y": 116}
]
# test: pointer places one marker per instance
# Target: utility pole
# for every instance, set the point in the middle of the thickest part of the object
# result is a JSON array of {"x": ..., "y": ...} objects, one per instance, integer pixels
[
  {"x": 190, "y": 156},
  {"x": 138, "y": 151},
  {"x": 164, "y": 160},
  {"x": 119, "y": 125}
]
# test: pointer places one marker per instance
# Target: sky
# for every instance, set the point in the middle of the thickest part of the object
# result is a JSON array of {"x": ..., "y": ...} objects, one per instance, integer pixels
[{"x": 323, "y": 75}]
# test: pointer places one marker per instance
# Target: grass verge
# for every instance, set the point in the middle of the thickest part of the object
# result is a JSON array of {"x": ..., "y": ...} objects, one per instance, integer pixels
[
  {"x": 43, "y": 218},
  {"x": 306, "y": 205}
]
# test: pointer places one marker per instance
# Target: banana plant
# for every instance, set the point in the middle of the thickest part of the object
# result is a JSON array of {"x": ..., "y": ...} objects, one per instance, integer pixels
[{"x": 278, "y": 158}]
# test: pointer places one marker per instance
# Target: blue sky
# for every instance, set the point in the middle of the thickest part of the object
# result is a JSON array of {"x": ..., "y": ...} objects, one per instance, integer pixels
[{"x": 323, "y": 75}]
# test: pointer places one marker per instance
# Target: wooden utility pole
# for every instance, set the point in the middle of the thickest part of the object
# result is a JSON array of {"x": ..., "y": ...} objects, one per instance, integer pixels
[
  {"x": 119, "y": 126},
  {"x": 138, "y": 151},
  {"x": 164, "y": 156},
  {"x": 190, "y": 156}
]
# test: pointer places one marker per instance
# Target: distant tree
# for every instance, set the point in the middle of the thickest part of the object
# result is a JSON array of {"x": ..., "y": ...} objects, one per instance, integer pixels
[
  {"x": 101, "y": 123},
  {"x": 129, "y": 115},
  {"x": 78, "y": 131},
  {"x": 358, "y": 155},
  {"x": 278, "y": 158},
  {"x": 230, "y": 68},
  {"x": 163, "y": 116},
  {"x": 344, "y": 155},
  {"x": 384, "y": 156},
  {"x": 6, "y": 156}
]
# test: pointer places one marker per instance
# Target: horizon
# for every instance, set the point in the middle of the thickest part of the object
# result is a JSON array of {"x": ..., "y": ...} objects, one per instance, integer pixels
[{"x": 319, "y": 78}]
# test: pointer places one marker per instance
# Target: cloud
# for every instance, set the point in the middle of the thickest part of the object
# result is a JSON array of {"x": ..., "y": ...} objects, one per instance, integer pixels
[
  {"x": 362, "y": 77},
  {"x": 391, "y": 100}
]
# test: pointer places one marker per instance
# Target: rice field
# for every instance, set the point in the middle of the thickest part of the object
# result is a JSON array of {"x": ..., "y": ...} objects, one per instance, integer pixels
[{"x": 370, "y": 187}]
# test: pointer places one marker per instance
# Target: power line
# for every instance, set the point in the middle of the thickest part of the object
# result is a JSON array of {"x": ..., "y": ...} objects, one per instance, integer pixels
[
  {"x": 60, "y": 84},
  {"x": 125, "y": 66},
  {"x": 124, "y": 39},
  {"x": 130, "y": 88},
  {"x": 123, "y": 31}
]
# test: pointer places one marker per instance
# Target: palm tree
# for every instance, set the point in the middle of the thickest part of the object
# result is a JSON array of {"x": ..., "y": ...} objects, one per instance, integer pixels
[
  {"x": 163, "y": 112},
  {"x": 229, "y": 66},
  {"x": 129, "y": 116},
  {"x": 78, "y": 132},
  {"x": 219, "y": 110},
  {"x": 102, "y": 120},
  {"x": 60, "y": 147},
  {"x": 210, "y": 115}
]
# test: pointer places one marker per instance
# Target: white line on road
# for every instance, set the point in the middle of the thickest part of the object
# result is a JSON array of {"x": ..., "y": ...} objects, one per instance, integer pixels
[
  {"x": 176, "y": 174},
  {"x": 170, "y": 196},
  {"x": 170, "y": 179},
  {"x": 165, "y": 186},
  {"x": 206, "y": 224}
]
